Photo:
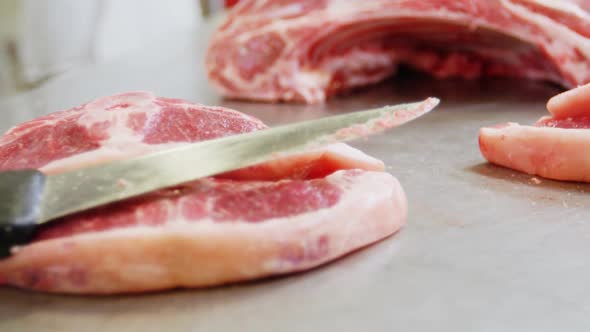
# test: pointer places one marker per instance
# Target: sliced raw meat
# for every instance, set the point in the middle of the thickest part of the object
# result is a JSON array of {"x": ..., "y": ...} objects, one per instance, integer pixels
[
  {"x": 209, "y": 233},
  {"x": 571, "y": 104},
  {"x": 307, "y": 50},
  {"x": 553, "y": 148},
  {"x": 136, "y": 123},
  {"x": 238, "y": 226}
]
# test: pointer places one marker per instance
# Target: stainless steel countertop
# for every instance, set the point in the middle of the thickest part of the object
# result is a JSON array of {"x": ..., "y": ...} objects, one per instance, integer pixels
[{"x": 485, "y": 248}]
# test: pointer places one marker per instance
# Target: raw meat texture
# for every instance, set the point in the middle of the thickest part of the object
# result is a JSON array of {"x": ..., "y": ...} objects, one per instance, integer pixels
[
  {"x": 238, "y": 226},
  {"x": 307, "y": 50},
  {"x": 178, "y": 240},
  {"x": 554, "y": 147},
  {"x": 136, "y": 123},
  {"x": 571, "y": 104}
]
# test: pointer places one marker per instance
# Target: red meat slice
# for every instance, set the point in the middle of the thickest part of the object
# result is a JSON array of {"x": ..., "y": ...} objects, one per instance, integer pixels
[
  {"x": 136, "y": 123},
  {"x": 307, "y": 50},
  {"x": 234, "y": 227},
  {"x": 553, "y": 148}
]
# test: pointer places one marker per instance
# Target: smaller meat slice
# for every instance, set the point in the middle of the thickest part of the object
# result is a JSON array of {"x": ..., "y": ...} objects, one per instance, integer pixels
[
  {"x": 554, "y": 147},
  {"x": 571, "y": 104}
]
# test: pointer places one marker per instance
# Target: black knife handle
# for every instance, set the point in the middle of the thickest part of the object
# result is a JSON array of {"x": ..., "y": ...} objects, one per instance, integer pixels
[{"x": 21, "y": 193}]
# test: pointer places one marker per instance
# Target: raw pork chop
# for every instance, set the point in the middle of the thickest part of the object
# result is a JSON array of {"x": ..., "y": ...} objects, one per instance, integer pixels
[
  {"x": 135, "y": 123},
  {"x": 307, "y": 50},
  {"x": 554, "y": 147},
  {"x": 234, "y": 227}
]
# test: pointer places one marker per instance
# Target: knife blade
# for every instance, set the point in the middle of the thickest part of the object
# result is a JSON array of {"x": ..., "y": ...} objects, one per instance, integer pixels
[{"x": 29, "y": 198}]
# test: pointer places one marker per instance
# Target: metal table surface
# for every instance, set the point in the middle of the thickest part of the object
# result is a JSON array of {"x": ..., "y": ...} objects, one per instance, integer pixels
[{"x": 485, "y": 248}]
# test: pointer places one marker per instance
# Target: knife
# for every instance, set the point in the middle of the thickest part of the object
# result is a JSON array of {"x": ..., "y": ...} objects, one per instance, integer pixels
[{"x": 29, "y": 198}]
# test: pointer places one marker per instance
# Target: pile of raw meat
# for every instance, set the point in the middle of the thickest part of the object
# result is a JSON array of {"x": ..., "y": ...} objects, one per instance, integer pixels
[
  {"x": 308, "y": 50},
  {"x": 286, "y": 215}
]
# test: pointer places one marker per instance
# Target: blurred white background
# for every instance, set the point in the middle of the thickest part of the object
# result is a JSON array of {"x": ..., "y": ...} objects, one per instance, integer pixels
[
  {"x": 40, "y": 39},
  {"x": 8, "y": 28}
]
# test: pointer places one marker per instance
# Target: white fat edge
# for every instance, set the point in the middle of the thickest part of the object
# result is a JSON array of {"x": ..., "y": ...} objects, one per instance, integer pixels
[
  {"x": 106, "y": 153},
  {"x": 130, "y": 96},
  {"x": 515, "y": 128},
  {"x": 556, "y": 30},
  {"x": 253, "y": 88},
  {"x": 173, "y": 212},
  {"x": 288, "y": 10},
  {"x": 578, "y": 133},
  {"x": 310, "y": 84},
  {"x": 559, "y": 32},
  {"x": 360, "y": 80},
  {"x": 350, "y": 188},
  {"x": 349, "y": 12},
  {"x": 350, "y": 152},
  {"x": 308, "y": 79},
  {"x": 563, "y": 6},
  {"x": 493, "y": 130},
  {"x": 97, "y": 112},
  {"x": 358, "y": 185},
  {"x": 343, "y": 9},
  {"x": 358, "y": 58}
]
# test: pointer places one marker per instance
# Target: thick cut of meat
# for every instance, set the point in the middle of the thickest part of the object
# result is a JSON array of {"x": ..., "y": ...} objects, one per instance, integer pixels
[
  {"x": 554, "y": 147},
  {"x": 237, "y": 226},
  {"x": 307, "y": 50}
]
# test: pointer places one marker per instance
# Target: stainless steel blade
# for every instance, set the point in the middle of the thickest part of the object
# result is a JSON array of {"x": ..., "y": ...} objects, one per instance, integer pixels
[{"x": 75, "y": 191}]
